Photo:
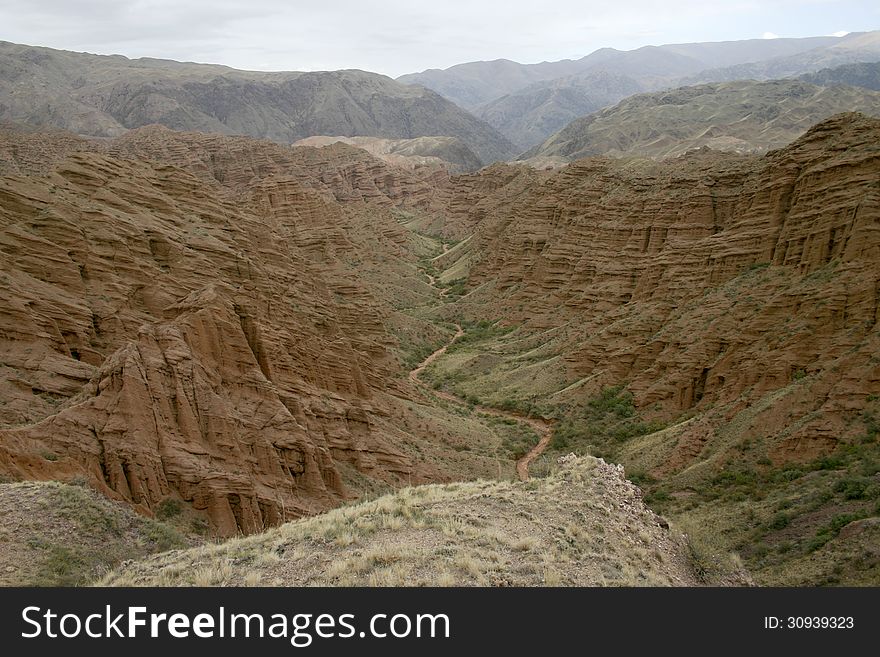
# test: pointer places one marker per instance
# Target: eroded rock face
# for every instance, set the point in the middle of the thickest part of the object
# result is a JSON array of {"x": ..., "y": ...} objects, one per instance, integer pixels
[
  {"x": 205, "y": 317},
  {"x": 168, "y": 336},
  {"x": 708, "y": 280}
]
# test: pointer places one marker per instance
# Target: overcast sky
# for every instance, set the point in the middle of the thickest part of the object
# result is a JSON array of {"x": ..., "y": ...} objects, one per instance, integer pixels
[{"x": 402, "y": 36}]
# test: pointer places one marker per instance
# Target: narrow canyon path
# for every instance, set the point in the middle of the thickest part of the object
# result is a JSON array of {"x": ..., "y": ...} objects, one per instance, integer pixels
[{"x": 544, "y": 428}]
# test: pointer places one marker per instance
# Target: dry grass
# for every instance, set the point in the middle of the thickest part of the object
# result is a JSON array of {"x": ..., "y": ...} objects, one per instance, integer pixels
[{"x": 585, "y": 525}]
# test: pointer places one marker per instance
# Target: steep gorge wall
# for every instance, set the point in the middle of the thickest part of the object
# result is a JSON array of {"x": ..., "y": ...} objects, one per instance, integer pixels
[
  {"x": 710, "y": 279},
  {"x": 164, "y": 335}
]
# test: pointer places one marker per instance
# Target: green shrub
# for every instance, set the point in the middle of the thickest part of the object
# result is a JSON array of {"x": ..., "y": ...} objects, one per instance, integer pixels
[
  {"x": 872, "y": 425},
  {"x": 788, "y": 474},
  {"x": 831, "y": 530},
  {"x": 169, "y": 508},
  {"x": 658, "y": 496},
  {"x": 841, "y": 521},
  {"x": 735, "y": 478},
  {"x": 640, "y": 478},
  {"x": 852, "y": 489},
  {"x": 613, "y": 400},
  {"x": 828, "y": 463},
  {"x": 779, "y": 521}
]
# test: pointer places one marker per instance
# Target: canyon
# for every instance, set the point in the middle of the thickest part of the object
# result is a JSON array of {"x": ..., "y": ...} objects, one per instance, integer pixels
[
  {"x": 257, "y": 333},
  {"x": 166, "y": 334},
  {"x": 710, "y": 321}
]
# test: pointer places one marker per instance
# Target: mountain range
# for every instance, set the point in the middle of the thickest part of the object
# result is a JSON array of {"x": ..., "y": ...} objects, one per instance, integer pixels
[
  {"x": 104, "y": 96},
  {"x": 742, "y": 116},
  {"x": 529, "y": 102},
  {"x": 497, "y": 110}
]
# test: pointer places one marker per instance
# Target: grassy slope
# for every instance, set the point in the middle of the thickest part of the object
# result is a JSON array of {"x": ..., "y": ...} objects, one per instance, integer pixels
[
  {"x": 60, "y": 535},
  {"x": 584, "y": 525}
]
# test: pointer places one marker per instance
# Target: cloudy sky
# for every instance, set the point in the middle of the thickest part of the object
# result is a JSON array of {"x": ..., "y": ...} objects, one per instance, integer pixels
[{"x": 402, "y": 36}]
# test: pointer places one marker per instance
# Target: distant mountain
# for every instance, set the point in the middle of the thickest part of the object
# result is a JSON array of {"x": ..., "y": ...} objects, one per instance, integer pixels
[
  {"x": 742, "y": 116},
  {"x": 528, "y": 116},
  {"x": 863, "y": 74},
  {"x": 853, "y": 48},
  {"x": 529, "y": 102},
  {"x": 107, "y": 95},
  {"x": 476, "y": 83},
  {"x": 472, "y": 84}
]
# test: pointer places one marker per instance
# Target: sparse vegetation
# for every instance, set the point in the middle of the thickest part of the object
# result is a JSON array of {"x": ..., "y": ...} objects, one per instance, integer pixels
[
  {"x": 793, "y": 510},
  {"x": 607, "y": 420},
  {"x": 40, "y": 518},
  {"x": 468, "y": 533},
  {"x": 479, "y": 332}
]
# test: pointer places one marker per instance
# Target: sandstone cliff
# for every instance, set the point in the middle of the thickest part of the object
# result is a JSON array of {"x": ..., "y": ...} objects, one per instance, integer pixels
[
  {"x": 710, "y": 321},
  {"x": 773, "y": 259},
  {"x": 208, "y": 322}
]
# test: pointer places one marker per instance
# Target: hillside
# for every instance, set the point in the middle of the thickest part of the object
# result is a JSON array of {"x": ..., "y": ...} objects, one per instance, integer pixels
[
  {"x": 584, "y": 526},
  {"x": 56, "y": 535},
  {"x": 529, "y": 115},
  {"x": 742, "y": 116},
  {"x": 107, "y": 95},
  {"x": 863, "y": 74}
]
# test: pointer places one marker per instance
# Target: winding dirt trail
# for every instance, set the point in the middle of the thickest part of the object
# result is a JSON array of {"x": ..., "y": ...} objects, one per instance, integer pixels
[{"x": 543, "y": 427}]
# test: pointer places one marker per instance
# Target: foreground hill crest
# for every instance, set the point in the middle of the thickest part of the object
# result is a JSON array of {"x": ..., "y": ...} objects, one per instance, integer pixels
[{"x": 584, "y": 526}]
